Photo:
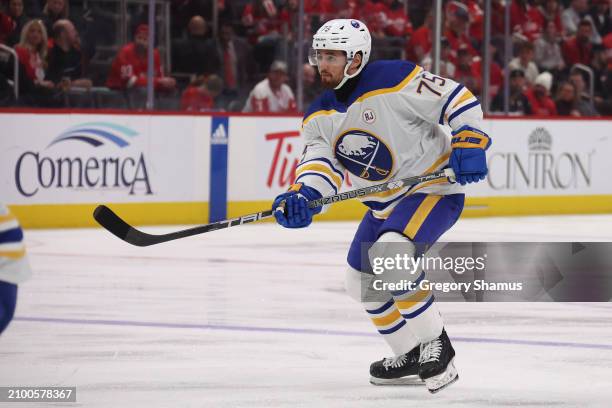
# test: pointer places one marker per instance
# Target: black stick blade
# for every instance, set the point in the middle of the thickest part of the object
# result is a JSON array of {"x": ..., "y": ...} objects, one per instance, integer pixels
[
  {"x": 111, "y": 222},
  {"x": 122, "y": 230}
]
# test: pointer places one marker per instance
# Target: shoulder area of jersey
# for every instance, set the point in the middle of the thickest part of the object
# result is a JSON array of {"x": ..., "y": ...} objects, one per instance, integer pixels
[
  {"x": 376, "y": 75},
  {"x": 386, "y": 73}
]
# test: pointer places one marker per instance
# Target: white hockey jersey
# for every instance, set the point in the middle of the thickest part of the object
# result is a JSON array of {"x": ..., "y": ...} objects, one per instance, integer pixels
[
  {"x": 394, "y": 124},
  {"x": 14, "y": 266}
]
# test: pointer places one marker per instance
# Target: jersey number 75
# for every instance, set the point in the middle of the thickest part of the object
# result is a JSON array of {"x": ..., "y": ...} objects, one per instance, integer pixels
[{"x": 433, "y": 80}]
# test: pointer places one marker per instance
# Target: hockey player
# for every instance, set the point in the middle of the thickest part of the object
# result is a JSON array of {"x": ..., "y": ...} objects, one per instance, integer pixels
[
  {"x": 14, "y": 267},
  {"x": 382, "y": 121}
]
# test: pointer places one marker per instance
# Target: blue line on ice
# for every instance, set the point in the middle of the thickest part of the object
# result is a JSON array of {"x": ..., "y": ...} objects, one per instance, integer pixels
[{"x": 290, "y": 330}]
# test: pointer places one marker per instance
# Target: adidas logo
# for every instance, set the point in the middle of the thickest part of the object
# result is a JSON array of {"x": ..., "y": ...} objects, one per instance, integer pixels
[{"x": 219, "y": 136}]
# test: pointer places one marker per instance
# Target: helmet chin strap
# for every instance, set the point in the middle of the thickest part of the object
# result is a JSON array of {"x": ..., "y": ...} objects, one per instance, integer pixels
[{"x": 347, "y": 76}]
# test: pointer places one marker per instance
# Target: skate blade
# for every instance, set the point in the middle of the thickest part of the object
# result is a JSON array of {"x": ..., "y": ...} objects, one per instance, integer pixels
[
  {"x": 442, "y": 380},
  {"x": 407, "y": 380}
]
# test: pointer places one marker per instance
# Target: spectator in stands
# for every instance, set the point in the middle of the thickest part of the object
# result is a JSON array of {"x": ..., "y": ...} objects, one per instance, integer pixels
[
  {"x": 578, "y": 48},
  {"x": 498, "y": 8},
  {"x": 566, "y": 100},
  {"x": 607, "y": 43},
  {"x": 548, "y": 51},
  {"x": 181, "y": 12},
  {"x": 129, "y": 69},
  {"x": 54, "y": 10},
  {"x": 312, "y": 87},
  {"x": 541, "y": 103},
  {"x": 476, "y": 27},
  {"x": 571, "y": 16},
  {"x": 602, "y": 74},
  {"x": 65, "y": 58},
  {"x": 264, "y": 28},
  {"x": 200, "y": 95},
  {"x": 524, "y": 62},
  {"x": 549, "y": 10},
  {"x": 447, "y": 68},
  {"x": 395, "y": 20},
  {"x": 32, "y": 52},
  {"x": 457, "y": 21},
  {"x": 517, "y": 101},
  {"x": 522, "y": 20},
  {"x": 602, "y": 22},
  {"x": 193, "y": 54},
  {"x": 272, "y": 94},
  {"x": 289, "y": 15},
  {"x": 7, "y": 26},
  {"x": 368, "y": 11},
  {"x": 16, "y": 12},
  {"x": 199, "y": 27},
  {"x": 496, "y": 76},
  {"x": 465, "y": 70},
  {"x": 326, "y": 9},
  {"x": 231, "y": 58},
  {"x": 419, "y": 44},
  {"x": 583, "y": 98}
]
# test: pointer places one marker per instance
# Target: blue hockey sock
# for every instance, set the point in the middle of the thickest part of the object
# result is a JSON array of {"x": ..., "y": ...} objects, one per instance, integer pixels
[{"x": 8, "y": 300}]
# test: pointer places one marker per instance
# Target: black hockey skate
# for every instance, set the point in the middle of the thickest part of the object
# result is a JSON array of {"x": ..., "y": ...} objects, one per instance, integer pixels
[
  {"x": 436, "y": 365},
  {"x": 400, "y": 370}
]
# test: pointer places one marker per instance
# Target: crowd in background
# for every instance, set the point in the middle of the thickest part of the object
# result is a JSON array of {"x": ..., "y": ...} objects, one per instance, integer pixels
[{"x": 560, "y": 51}]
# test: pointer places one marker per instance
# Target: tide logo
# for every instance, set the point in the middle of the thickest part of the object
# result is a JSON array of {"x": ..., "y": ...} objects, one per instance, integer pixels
[{"x": 364, "y": 154}]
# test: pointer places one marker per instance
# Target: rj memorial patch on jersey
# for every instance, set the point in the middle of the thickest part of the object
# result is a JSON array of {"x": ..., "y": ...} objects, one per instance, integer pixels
[
  {"x": 369, "y": 116},
  {"x": 364, "y": 154}
]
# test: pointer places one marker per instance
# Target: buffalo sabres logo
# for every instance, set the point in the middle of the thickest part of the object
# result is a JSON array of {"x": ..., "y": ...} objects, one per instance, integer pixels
[{"x": 364, "y": 155}]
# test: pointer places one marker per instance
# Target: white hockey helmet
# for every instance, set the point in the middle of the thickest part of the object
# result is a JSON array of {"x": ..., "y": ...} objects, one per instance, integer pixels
[{"x": 350, "y": 36}]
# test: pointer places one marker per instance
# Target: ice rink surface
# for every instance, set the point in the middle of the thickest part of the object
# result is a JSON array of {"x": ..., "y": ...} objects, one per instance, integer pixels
[{"x": 256, "y": 316}]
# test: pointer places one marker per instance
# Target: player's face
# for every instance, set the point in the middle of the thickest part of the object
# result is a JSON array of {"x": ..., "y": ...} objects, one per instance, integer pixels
[{"x": 331, "y": 67}]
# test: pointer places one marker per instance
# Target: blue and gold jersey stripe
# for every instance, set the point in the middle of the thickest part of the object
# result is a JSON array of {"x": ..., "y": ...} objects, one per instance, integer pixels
[
  {"x": 317, "y": 113},
  {"x": 11, "y": 237},
  {"x": 14, "y": 255},
  {"x": 462, "y": 109},
  {"x": 320, "y": 168},
  {"x": 392, "y": 89},
  {"x": 448, "y": 101},
  {"x": 7, "y": 217},
  {"x": 459, "y": 101}
]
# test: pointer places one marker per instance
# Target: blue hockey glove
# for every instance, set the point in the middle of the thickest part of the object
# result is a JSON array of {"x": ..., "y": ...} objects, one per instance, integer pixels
[
  {"x": 294, "y": 213},
  {"x": 468, "y": 159},
  {"x": 469, "y": 165}
]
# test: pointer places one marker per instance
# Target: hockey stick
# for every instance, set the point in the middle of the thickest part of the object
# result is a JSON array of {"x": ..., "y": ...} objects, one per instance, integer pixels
[{"x": 114, "y": 224}]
